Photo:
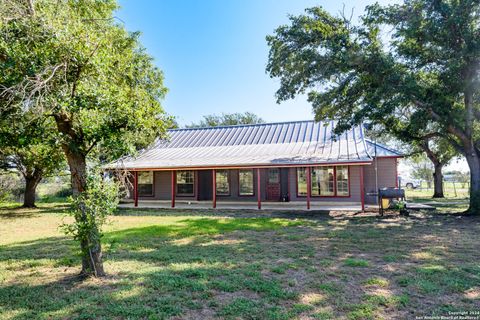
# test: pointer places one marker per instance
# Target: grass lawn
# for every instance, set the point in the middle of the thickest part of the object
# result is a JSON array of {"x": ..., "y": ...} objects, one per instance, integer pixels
[
  {"x": 202, "y": 265},
  {"x": 453, "y": 202}
]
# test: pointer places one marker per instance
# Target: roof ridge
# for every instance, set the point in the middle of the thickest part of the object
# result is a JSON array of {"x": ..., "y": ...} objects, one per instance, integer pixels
[{"x": 246, "y": 125}]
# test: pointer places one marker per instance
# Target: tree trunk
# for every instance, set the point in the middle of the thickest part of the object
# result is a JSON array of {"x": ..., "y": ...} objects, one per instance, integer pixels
[
  {"x": 92, "y": 263},
  {"x": 91, "y": 248},
  {"x": 473, "y": 160},
  {"x": 438, "y": 181},
  {"x": 31, "y": 183}
]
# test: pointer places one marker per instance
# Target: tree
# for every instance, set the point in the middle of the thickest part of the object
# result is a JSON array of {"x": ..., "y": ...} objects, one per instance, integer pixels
[
  {"x": 422, "y": 169},
  {"x": 440, "y": 153},
  {"x": 227, "y": 119},
  {"x": 30, "y": 147},
  {"x": 461, "y": 177},
  {"x": 73, "y": 62},
  {"x": 420, "y": 145},
  {"x": 423, "y": 72}
]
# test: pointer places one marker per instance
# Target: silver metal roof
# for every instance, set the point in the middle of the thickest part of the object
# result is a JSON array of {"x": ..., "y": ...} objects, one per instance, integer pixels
[
  {"x": 269, "y": 144},
  {"x": 382, "y": 150}
]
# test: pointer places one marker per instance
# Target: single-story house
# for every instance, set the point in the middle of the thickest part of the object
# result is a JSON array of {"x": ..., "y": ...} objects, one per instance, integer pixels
[{"x": 288, "y": 161}]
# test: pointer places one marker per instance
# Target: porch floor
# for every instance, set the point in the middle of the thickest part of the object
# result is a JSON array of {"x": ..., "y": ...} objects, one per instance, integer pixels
[{"x": 242, "y": 205}]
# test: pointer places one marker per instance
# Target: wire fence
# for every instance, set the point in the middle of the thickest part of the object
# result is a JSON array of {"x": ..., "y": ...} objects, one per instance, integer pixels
[{"x": 451, "y": 189}]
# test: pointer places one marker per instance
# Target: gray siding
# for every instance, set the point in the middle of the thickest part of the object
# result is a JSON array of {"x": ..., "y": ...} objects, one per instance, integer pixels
[
  {"x": 387, "y": 175},
  {"x": 162, "y": 181}
]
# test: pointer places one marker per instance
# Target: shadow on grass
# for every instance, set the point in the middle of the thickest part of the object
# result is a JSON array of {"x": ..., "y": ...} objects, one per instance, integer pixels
[
  {"x": 161, "y": 279},
  {"x": 258, "y": 268},
  {"x": 15, "y": 210},
  {"x": 204, "y": 226},
  {"x": 240, "y": 213}
]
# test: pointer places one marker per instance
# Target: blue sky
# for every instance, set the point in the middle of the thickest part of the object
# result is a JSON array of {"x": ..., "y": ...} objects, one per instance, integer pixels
[{"x": 213, "y": 53}]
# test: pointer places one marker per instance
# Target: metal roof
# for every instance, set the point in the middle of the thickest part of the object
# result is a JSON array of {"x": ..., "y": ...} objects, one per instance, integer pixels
[
  {"x": 382, "y": 150},
  {"x": 269, "y": 144}
]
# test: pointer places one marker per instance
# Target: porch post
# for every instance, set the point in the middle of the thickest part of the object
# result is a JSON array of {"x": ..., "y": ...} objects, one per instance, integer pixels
[
  {"x": 309, "y": 187},
  {"x": 135, "y": 188},
  {"x": 196, "y": 185},
  {"x": 259, "y": 195},
  {"x": 214, "y": 195},
  {"x": 396, "y": 173},
  {"x": 362, "y": 188},
  {"x": 173, "y": 188}
]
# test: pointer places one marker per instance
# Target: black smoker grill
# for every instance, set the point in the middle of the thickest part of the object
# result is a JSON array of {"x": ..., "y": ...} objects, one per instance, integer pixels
[{"x": 389, "y": 193}]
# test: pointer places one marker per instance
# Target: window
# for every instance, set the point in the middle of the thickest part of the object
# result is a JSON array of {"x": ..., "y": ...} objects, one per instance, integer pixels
[
  {"x": 185, "y": 182},
  {"x": 245, "y": 182},
  {"x": 302, "y": 181},
  {"x": 326, "y": 181},
  {"x": 323, "y": 181},
  {"x": 223, "y": 183},
  {"x": 274, "y": 175},
  {"x": 342, "y": 181},
  {"x": 145, "y": 183}
]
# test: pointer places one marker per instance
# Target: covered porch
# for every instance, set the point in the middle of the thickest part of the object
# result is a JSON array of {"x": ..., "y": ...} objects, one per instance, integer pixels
[
  {"x": 242, "y": 205},
  {"x": 316, "y": 187}
]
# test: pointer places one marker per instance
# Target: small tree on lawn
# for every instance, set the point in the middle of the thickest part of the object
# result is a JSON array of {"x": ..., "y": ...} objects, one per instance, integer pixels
[
  {"x": 422, "y": 169},
  {"x": 90, "y": 210},
  {"x": 423, "y": 73},
  {"x": 73, "y": 62},
  {"x": 462, "y": 177}
]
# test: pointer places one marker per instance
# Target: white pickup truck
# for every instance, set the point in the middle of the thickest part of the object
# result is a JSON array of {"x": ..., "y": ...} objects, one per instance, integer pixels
[{"x": 408, "y": 182}]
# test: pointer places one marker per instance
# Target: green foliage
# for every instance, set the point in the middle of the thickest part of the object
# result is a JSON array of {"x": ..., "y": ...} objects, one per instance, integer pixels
[
  {"x": 422, "y": 169},
  {"x": 29, "y": 144},
  {"x": 227, "y": 119},
  {"x": 96, "y": 77},
  {"x": 91, "y": 209},
  {"x": 10, "y": 186},
  {"x": 398, "y": 205},
  {"x": 462, "y": 177},
  {"x": 420, "y": 79},
  {"x": 72, "y": 63}
]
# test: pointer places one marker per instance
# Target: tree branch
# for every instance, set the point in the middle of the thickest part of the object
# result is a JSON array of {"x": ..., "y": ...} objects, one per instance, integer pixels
[
  {"x": 91, "y": 147},
  {"x": 459, "y": 133},
  {"x": 430, "y": 154}
]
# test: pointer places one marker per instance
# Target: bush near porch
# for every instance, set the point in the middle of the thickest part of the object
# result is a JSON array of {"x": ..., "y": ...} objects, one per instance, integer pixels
[{"x": 201, "y": 265}]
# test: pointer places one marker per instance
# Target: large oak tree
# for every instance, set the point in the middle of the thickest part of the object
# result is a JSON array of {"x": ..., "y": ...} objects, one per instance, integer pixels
[
  {"x": 409, "y": 67},
  {"x": 74, "y": 62},
  {"x": 30, "y": 145}
]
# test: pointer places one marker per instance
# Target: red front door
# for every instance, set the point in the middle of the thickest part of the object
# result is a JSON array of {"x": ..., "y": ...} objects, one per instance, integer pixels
[{"x": 273, "y": 184}]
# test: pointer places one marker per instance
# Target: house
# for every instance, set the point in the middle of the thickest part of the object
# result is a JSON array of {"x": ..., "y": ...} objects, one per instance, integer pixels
[{"x": 288, "y": 161}]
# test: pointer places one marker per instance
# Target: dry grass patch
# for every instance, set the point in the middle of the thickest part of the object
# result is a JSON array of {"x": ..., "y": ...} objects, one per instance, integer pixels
[{"x": 166, "y": 265}]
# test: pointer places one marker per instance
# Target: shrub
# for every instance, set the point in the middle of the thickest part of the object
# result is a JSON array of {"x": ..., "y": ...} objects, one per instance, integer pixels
[
  {"x": 11, "y": 187},
  {"x": 63, "y": 193},
  {"x": 90, "y": 210}
]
